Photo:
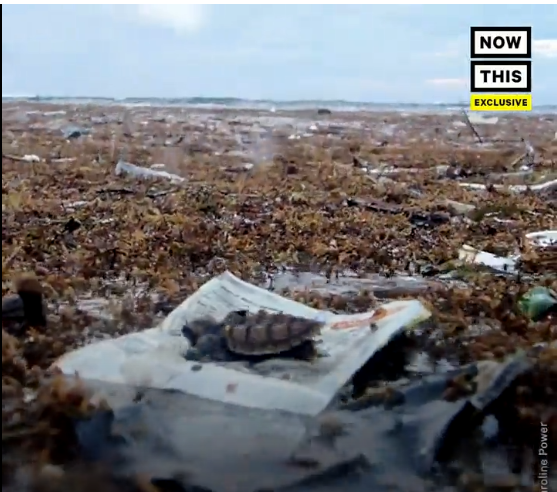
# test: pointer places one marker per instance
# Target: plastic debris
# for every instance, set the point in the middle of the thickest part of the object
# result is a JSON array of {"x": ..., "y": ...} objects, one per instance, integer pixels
[
  {"x": 379, "y": 432},
  {"x": 26, "y": 158},
  {"x": 142, "y": 172},
  {"x": 470, "y": 255},
  {"x": 156, "y": 357},
  {"x": 74, "y": 132},
  {"x": 165, "y": 434},
  {"x": 479, "y": 119},
  {"x": 542, "y": 238},
  {"x": 548, "y": 186},
  {"x": 538, "y": 302}
]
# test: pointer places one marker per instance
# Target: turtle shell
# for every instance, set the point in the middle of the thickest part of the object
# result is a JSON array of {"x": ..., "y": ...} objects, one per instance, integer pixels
[{"x": 265, "y": 333}]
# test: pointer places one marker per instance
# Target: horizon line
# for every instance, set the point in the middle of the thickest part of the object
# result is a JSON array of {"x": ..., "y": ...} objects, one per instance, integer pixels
[{"x": 240, "y": 99}]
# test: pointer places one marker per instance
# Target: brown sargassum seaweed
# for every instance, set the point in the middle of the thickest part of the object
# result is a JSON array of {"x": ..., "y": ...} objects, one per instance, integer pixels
[
  {"x": 265, "y": 333},
  {"x": 307, "y": 208}
]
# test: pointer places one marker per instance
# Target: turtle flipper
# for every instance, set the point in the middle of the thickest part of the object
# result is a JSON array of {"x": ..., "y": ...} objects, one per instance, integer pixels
[
  {"x": 190, "y": 334},
  {"x": 209, "y": 348},
  {"x": 199, "y": 327}
]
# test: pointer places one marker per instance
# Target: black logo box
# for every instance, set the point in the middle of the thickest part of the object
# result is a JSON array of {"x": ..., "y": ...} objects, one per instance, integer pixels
[
  {"x": 510, "y": 90},
  {"x": 473, "y": 31}
]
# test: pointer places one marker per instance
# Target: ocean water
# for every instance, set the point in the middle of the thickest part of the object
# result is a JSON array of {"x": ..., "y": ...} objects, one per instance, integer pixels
[{"x": 262, "y": 104}]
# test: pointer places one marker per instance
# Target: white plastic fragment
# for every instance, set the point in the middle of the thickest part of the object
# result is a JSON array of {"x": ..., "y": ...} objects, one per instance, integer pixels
[
  {"x": 542, "y": 238},
  {"x": 547, "y": 186},
  {"x": 142, "y": 172},
  {"x": 390, "y": 170},
  {"x": 470, "y": 255},
  {"x": 479, "y": 119}
]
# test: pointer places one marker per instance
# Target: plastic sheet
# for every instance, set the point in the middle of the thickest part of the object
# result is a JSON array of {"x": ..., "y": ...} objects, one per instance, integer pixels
[
  {"x": 172, "y": 437},
  {"x": 155, "y": 357}
]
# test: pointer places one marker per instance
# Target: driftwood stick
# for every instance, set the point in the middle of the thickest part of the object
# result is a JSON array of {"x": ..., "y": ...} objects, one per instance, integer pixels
[{"x": 472, "y": 129}]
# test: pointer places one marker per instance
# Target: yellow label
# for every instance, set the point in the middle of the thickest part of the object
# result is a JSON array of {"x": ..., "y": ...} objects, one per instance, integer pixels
[{"x": 500, "y": 102}]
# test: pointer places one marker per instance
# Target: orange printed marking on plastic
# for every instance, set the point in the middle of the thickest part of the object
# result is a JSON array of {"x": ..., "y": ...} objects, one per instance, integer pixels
[{"x": 377, "y": 315}]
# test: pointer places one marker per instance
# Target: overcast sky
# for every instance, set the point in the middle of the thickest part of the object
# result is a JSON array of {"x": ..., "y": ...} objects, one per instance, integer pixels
[{"x": 379, "y": 53}]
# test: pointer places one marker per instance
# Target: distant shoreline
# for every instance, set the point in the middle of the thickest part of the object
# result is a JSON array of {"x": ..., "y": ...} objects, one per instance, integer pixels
[{"x": 257, "y": 104}]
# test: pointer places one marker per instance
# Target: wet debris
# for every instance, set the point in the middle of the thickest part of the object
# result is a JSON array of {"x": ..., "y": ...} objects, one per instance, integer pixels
[
  {"x": 423, "y": 435},
  {"x": 414, "y": 195},
  {"x": 74, "y": 132},
  {"x": 538, "y": 303}
]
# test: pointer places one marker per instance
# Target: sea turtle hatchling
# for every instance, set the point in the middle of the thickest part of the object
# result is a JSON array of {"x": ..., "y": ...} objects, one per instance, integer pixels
[{"x": 257, "y": 336}]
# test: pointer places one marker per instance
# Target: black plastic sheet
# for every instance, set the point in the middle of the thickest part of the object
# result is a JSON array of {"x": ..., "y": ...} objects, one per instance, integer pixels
[{"x": 186, "y": 443}]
